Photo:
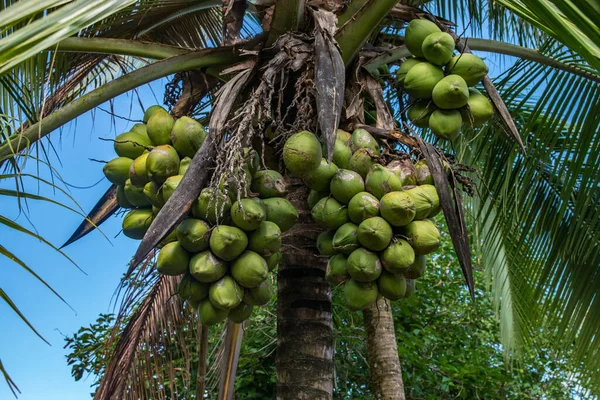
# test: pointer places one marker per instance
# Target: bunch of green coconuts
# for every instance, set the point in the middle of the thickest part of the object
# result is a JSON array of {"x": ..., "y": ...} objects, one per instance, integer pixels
[
  {"x": 376, "y": 217},
  {"x": 440, "y": 82},
  {"x": 227, "y": 246}
]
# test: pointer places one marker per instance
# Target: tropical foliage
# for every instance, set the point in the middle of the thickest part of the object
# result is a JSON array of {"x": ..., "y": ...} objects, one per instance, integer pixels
[{"x": 536, "y": 221}]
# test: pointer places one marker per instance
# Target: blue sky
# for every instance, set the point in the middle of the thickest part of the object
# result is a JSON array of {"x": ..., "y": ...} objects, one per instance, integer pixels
[{"x": 41, "y": 371}]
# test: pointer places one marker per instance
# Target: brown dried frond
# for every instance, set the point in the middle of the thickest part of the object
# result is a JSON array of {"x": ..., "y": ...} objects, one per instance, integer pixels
[{"x": 152, "y": 342}]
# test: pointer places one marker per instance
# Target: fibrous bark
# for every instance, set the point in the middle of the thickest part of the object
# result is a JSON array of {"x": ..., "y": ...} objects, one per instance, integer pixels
[
  {"x": 386, "y": 373},
  {"x": 304, "y": 322}
]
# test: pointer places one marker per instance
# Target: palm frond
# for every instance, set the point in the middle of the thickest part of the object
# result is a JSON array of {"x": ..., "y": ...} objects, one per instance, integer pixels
[
  {"x": 538, "y": 218},
  {"x": 34, "y": 37},
  {"x": 148, "y": 345},
  {"x": 486, "y": 18},
  {"x": 573, "y": 23}
]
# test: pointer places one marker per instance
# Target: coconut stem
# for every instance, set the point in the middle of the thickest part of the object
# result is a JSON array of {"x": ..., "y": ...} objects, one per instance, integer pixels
[{"x": 359, "y": 20}]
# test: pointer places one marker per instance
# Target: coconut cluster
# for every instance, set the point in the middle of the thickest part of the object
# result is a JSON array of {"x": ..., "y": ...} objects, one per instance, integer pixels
[
  {"x": 229, "y": 243},
  {"x": 441, "y": 81},
  {"x": 376, "y": 217}
]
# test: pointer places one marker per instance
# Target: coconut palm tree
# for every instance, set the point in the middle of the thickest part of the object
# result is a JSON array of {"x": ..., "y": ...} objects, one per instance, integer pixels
[{"x": 537, "y": 174}]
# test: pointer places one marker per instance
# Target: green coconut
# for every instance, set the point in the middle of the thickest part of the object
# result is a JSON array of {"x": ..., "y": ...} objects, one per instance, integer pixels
[
  {"x": 391, "y": 286},
  {"x": 361, "y": 162},
  {"x": 282, "y": 212},
  {"x": 426, "y": 201},
  {"x": 209, "y": 314},
  {"x": 337, "y": 270},
  {"x": 404, "y": 68},
  {"x": 206, "y": 267},
  {"x": 168, "y": 188},
  {"x": 410, "y": 288},
  {"x": 139, "y": 128},
  {"x": 259, "y": 295},
  {"x": 360, "y": 295},
  {"x": 162, "y": 162},
  {"x": 320, "y": 178},
  {"x": 151, "y": 191},
  {"x": 171, "y": 237},
  {"x": 405, "y": 171},
  {"x": 346, "y": 184},
  {"x": 225, "y": 293},
  {"x": 302, "y": 153},
  {"x": 469, "y": 66},
  {"x": 131, "y": 144},
  {"x": 343, "y": 135},
  {"x": 363, "y": 206},
  {"x": 314, "y": 197},
  {"x": 423, "y": 174},
  {"x": 398, "y": 208},
  {"x": 341, "y": 154},
  {"x": 193, "y": 235},
  {"x": 187, "y": 136},
  {"x": 419, "y": 113},
  {"x": 265, "y": 240},
  {"x": 423, "y": 235},
  {"x": 247, "y": 214},
  {"x": 122, "y": 199},
  {"x": 361, "y": 139},
  {"x": 136, "y": 223},
  {"x": 155, "y": 210},
  {"x": 228, "y": 242},
  {"x": 135, "y": 195},
  {"x": 137, "y": 171},
  {"x": 184, "y": 164},
  {"x": 172, "y": 259},
  {"x": 421, "y": 80},
  {"x": 325, "y": 243},
  {"x": 446, "y": 124},
  {"x": 150, "y": 111},
  {"x": 273, "y": 260},
  {"x": 345, "y": 239},
  {"x": 329, "y": 213},
  {"x": 268, "y": 183},
  {"x": 438, "y": 48},
  {"x": 241, "y": 313},
  {"x": 416, "y": 33},
  {"x": 479, "y": 109},
  {"x": 159, "y": 127},
  {"x": 417, "y": 269},
  {"x": 117, "y": 170},
  {"x": 249, "y": 269},
  {"x": 450, "y": 93},
  {"x": 211, "y": 206},
  {"x": 364, "y": 265},
  {"x": 374, "y": 233},
  {"x": 381, "y": 180},
  {"x": 398, "y": 256},
  {"x": 192, "y": 290}
]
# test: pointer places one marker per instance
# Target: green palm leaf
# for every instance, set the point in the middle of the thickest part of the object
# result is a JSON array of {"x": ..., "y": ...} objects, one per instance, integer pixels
[
  {"x": 537, "y": 216},
  {"x": 572, "y": 23}
]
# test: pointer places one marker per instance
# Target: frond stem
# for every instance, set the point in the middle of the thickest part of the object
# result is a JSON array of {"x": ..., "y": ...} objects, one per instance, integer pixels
[
  {"x": 189, "y": 61},
  {"x": 119, "y": 46}
]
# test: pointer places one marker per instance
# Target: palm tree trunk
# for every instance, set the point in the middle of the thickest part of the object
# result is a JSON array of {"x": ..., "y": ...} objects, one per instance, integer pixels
[
  {"x": 304, "y": 322},
  {"x": 386, "y": 373}
]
